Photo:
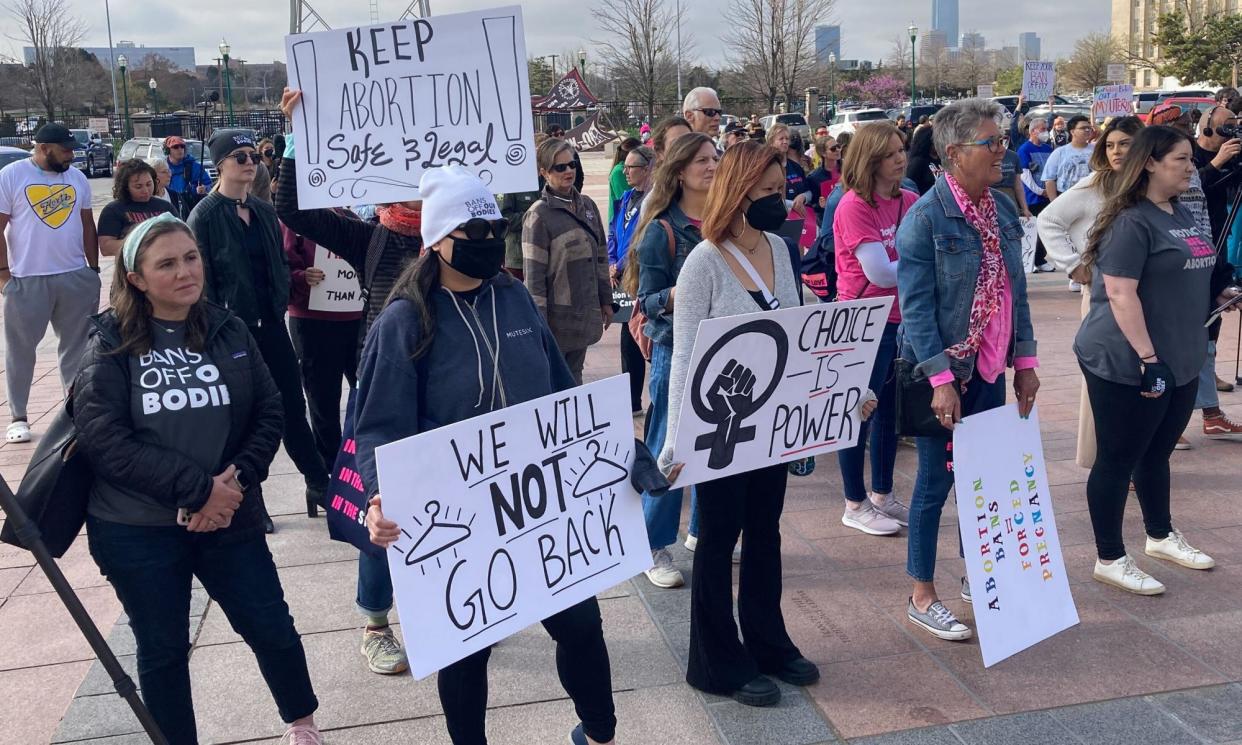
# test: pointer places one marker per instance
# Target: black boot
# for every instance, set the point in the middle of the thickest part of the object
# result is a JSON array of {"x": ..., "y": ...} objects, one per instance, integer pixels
[{"x": 314, "y": 498}]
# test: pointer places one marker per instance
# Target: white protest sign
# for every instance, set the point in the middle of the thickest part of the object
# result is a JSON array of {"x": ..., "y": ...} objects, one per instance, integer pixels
[
  {"x": 1030, "y": 242},
  {"x": 1038, "y": 79},
  {"x": 381, "y": 104},
  {"x": 1112, "y": 100},
  {"x": 772, "y": 387},
  {"x": 510, "y": 517},
  {"x": 1116, "y": 73},
  {"x": 985, "y": 90},
  {"x": 98, "y": 124},
  {"x": 339, "y": 291},
  {"x": 1013, "y": 553}
]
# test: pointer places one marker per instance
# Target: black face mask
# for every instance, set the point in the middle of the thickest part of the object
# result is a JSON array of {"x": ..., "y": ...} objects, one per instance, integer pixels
[
  {"x": 768, "y": 213},
  {"x": 481, "y": 259}
]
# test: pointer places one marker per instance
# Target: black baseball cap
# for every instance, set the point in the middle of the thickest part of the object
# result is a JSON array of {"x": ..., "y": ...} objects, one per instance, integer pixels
[
  {"x": 735, "y": 127},
  {"x": 55, "y": 134}
]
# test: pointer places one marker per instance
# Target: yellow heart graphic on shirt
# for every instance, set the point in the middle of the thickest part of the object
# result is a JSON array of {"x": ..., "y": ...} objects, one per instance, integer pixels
[{"x": 52, "y": 204}]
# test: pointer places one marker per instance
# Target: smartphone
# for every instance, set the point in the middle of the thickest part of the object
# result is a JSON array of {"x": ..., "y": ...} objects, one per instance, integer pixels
[
  {"x": 183, "y": 516},
  {"x": 1225, "y": 306}
]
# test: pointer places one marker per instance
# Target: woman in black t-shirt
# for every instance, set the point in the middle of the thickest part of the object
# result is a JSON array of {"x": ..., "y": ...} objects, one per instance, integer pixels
[
  {"x": 179, "y": 418},
  {"x": 133, "y": 188},
  {"x": 1141, "y": 347}
]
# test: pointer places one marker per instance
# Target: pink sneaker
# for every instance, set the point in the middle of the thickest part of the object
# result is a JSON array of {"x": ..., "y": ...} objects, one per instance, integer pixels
[{"x": 302, "y": 734}]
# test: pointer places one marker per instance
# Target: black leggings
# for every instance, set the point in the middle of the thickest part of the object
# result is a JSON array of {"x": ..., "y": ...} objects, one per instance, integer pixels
[
  {"x": 632, "y": 362},
  {"x": 1134, "y": 436},
  {"x": 581, "y": 661}
]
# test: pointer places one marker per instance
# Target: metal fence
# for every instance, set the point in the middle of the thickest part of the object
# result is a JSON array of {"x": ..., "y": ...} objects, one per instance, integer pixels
[{"x": 19, "y": 131}]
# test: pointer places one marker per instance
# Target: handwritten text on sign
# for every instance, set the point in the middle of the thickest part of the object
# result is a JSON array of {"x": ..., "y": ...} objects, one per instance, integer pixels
[
  {"x": 1113, "y": 100},
  {"x": 339, "y": 291},
  {"x": 1038, "y": 79},
  {"x": 767, "y": 388},
  {"x": 1009, "y": 534},
  {"x": 381, "y": 104},
  {"x": 511, "y": 517}
]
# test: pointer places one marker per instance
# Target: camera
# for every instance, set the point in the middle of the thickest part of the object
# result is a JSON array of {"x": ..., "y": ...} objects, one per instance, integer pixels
[{"x": 1228, "y": 131}]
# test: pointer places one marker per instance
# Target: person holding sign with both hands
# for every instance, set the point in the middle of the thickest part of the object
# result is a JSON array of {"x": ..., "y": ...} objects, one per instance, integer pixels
[
  {"x": 965, "y": 319},
  {"x": 420, "y": 370}
]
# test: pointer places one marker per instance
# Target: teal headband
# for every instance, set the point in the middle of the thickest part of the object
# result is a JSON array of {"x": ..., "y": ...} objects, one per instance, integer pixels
[{"x": 129, "y": 252}]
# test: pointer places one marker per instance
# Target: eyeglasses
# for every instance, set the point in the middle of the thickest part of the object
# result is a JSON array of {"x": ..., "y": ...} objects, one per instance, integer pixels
[
  {"x": 710, "y": 113},
  {"x": 561, "y": 167},
  {"x": 476, "y": 229},
  {"x": 629, "y": 167},
  {"x": 993, "y": 144},
  {"x": 241, "y": 158},
  {"x": 1087, "y": 128}
]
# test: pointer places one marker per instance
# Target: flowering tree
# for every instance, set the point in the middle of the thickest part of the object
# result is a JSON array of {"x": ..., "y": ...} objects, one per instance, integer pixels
[{"x": 881, "y": 91}]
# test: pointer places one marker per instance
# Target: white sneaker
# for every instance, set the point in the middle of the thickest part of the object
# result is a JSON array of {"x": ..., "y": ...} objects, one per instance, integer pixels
[
  {"x": 692, "y": 542},
  {"x": 18, "y": 431},
  {"x": 890, "y": 507},
  {"x": 869, "y": 520},
  {"x": 1124, "y": 573},
  {"x": 664, "y": 574},
  {"x": 737, "y": 552},
  {"x": 1046, "y": 267},
  {"x": 1174, "y": 548},
  {"x": 1075, "y": 286}
]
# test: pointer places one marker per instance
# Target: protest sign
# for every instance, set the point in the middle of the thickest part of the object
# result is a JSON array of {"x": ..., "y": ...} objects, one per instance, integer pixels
[
  {"x": 1112, "y": 100},
  {"x": 773, "y": 387},
  {"x": 985, "y": 90},
  {"x": 1009, "y": 534},
  {"x": 339, "y": 290},
  {"x": 383, "y": 103},
  {"x": 510, "y": 517},
  {"x": 1116, "y": 72},
  {"x": 98, "y": 124},
  {"x": 346, "y": 498},
  {"x": 1030, "y": 241},
  {"x": 588, "y": 135},
  {"x": 1038, "y": 79},
  {"x": 623, "y": 305}
]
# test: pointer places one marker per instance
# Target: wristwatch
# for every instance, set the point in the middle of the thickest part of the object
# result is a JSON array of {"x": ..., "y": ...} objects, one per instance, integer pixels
[{"x": 238, "y": 478}]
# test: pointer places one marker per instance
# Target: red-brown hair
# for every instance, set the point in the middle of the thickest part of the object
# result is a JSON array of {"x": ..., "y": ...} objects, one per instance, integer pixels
[{"x": 740, "y": 169}]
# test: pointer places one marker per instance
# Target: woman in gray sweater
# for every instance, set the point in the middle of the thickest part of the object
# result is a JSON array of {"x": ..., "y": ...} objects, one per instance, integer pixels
[{"x": 740, "y": 267}]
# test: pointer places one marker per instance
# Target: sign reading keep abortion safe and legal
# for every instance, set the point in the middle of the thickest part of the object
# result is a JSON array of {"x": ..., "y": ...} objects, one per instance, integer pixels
[
  {"x": 1018, "y": 583},
  {"x": 510, "y": 517},
  {"x": 766, "y": 388},
  {"x": 383, "y": 103}
]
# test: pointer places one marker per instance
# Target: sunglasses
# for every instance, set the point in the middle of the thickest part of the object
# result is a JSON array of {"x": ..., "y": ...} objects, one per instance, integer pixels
[
  {"x": 176, "y": 147},
  {"x": 477, "y": 229},
  {"x": 711, "y": 113},
  {"x": 241, "y": 158},
  {"x": 561, "y": 167},
  {"x": 269, "y": 153},
  {"x": 834, "y": 149}
]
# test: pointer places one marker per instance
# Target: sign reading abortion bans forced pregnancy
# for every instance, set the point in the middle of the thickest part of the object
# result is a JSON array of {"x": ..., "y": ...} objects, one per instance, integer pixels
[
  {"x": 1018, "y": 583},
  {"x": 510, "y": 517},
  {"x": 381, "y": 104},
  {"x": 772, "y": 387}
]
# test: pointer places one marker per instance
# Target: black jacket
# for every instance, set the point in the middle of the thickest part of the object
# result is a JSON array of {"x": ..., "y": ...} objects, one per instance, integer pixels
[
  {"x": 229, "y": 274},
  {"x": 101, "y": 414}
]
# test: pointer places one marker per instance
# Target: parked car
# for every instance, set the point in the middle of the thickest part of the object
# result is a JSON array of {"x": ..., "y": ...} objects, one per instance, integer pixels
[
  {"x": 1194, "y": 105},
  {"x": 847, "y": 121},
  {"x": 153, "y": 147},
  {"x": 914, "y": 113},
  {"x": 1186, "y": 93},
  {"x": 1145, "y": 101},
  {"x": 1061, "y": 109},
  {"x": 1011, "y": 102},
  {"x": 91, "y": 155},
  {"x": 726, "y": 120},
  {"x": 12, "y": 155},
  {"x": 795, "y": 122}
]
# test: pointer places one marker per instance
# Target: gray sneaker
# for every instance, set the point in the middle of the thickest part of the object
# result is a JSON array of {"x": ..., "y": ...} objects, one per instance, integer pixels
[
  {"x": 938, "y": 621},
  {"x": 892, "y": 508},
  {"x": 966, "y": 589},
  {"x": 383, "y": 652},
  {"x": 664, "y": 574},
  {"x": 869, "y": 520}
]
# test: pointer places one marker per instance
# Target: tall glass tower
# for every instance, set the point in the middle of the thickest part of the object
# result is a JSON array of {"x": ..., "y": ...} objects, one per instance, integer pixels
[{"x": 944, "y": 20}]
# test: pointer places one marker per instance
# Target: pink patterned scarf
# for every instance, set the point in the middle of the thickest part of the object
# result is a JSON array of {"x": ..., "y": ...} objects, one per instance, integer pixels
[{"x": 987, "y": 301}]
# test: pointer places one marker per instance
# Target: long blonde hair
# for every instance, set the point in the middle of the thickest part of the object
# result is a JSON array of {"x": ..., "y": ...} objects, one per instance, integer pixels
[{"x": 868, "y": 147}]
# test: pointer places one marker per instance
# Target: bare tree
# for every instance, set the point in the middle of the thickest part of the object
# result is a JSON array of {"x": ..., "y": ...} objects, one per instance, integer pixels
[
  {"x": 899, "y": 55},
  {"x": 775, "y": 41},
  {"x": 637, "y": 46},
  {"x": 1088, "y": 67},
  {"x": 52, "y": 29}
]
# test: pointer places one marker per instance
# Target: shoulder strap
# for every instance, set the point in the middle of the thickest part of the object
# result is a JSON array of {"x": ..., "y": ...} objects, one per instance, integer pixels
[
  {"x": 768, "y": 296},
  {"x": 372, "y": 263},
  {"x": 672, "y": 242}
]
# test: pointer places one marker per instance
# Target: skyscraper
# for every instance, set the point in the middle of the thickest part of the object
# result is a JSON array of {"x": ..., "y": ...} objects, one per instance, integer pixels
[
  {"x": 1028, "y": 44},
  {"x": 944, "y": 20},
  {"x": 972, "y": 41},
  {"x": 827, "y": 41}
]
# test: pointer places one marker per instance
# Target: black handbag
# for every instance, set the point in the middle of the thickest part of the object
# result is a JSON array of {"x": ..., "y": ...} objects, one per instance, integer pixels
[
  {"x": 915, "y": 417},
  {"x": 56, "y": 487}
]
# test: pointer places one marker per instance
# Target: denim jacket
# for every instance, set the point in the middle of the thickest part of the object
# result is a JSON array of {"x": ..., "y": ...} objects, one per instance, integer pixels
[
  {"x": 657, "y": 274},
  {"x": 940, "y": 256}
]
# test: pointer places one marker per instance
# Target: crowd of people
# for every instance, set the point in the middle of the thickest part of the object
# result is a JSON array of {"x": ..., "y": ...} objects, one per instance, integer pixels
[{"x": 209, "y": 305}]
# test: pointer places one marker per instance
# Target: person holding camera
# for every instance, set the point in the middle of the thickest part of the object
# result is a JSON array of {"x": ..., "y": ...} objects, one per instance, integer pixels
[
  {"x": 173, "y": 495},
  {"x": 1141, "y": 348}
]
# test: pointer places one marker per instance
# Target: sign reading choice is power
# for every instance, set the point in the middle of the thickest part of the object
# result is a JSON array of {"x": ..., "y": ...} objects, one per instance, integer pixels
[{"x": 381, "y": 104}]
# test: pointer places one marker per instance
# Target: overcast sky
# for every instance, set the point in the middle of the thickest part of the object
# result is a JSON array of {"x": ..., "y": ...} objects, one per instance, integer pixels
[{"x": 255, "y": 29}]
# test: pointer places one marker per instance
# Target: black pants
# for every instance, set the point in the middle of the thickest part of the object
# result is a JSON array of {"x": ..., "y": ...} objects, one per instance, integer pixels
[
  {"x": 632, "y": 362},
  {"x": 152, "y": 569},
  {"x": 1041, "y": 253},
  {"x": 277, "y": 351},
  {"x": 752, "y": 503},
  {"x": 581, "y": 661},
  {"x": 326, "y": 353},
  {"x": 1134, "y": 436}
]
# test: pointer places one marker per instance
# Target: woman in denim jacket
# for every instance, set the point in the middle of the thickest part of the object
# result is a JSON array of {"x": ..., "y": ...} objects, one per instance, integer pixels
[{"x": 965, "y": 319}]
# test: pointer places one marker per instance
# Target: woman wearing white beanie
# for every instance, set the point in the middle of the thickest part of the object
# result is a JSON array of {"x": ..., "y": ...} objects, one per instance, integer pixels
[{"x": 460, "y": 338}]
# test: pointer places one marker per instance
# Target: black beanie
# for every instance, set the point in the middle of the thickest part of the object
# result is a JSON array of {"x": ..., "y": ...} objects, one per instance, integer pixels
[{"x": 224, "y": 141}]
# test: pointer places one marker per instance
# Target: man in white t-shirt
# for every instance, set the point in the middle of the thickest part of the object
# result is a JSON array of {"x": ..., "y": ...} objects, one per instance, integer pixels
[
  {"x": 49, "y": 264},
  {"x": 1070, "y": 163}
]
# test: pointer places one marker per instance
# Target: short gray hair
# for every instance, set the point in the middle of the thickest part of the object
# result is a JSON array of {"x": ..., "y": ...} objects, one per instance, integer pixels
[
  {"x": 692, "y": 98},
  {"x": 959, "y": 122},
  {"x": 158, "y": 163}
]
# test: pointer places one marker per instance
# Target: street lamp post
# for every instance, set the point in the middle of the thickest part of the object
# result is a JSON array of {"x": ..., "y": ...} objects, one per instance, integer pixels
[
  {"x": 126, "y": 130},
  {"x": 914, "y": 34},
  {"x": 228, "y": 83},
  {"x": 832, "y": 80},
  {"x": 582, "y": 63},
  {"x": 155, "y": 105}
]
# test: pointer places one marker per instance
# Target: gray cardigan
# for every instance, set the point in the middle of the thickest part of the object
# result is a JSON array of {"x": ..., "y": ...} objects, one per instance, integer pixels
[{"x": 707, "y": 288}]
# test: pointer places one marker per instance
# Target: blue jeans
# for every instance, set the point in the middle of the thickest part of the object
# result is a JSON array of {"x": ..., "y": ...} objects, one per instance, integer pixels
[
  {"x": 662, "y": 514},
  {"x": 935, "y": 478},
  {"x": 151, "y": 570},
  {"x": 1206, "y": 396},
  {"x": 882, "y": 428},
  {"x": 374, "y": 584}
]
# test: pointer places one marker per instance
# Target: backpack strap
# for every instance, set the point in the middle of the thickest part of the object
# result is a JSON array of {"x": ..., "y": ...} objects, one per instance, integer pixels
[
  {"x": 374, "y": 254},
  {"x": 672, "y": 242}
]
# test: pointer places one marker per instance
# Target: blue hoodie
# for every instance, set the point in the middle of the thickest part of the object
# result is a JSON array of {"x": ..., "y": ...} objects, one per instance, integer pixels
[{"x": 489, "y": 352}]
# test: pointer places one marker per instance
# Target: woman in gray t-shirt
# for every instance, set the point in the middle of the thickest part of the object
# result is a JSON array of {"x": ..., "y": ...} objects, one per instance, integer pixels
[{"x": 1141, "y": 347}]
